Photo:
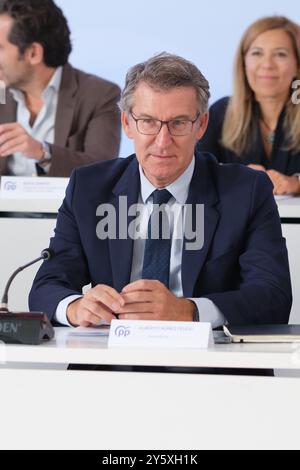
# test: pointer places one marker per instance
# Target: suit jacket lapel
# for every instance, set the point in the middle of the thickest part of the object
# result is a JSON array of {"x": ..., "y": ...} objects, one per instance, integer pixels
[
  {"x": 8, "y": 113},
  {"x": 202, "y": 191},
  {"x": 121, "y": 250},
  {"x": 65, "y": 106}
]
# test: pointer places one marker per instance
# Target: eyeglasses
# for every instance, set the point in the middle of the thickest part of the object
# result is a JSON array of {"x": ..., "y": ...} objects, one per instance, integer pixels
[{"x": 176, "y": 127}]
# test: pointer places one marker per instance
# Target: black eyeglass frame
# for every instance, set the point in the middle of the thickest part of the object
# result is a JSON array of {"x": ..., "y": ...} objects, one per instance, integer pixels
[{"x": 162, "y": 123}]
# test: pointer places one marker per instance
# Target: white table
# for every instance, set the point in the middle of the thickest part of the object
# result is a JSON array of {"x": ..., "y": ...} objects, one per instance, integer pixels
[
  {"x": 101, "y": 410},
  {"x": 55, "y": 409},
  {"x": 289, "y": 208},
  {"x": 69, "y": 349}
]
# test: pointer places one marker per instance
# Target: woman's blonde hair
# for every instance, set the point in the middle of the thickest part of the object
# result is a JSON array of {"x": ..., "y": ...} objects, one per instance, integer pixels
[{"x": 240, "y": 123}]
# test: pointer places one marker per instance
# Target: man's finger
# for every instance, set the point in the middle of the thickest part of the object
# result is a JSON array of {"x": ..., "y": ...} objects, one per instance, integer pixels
[
  {"x": 138, "y": 296},
  {"x": 10, "y": 127},
  {"x": 108, "y": 296},
  {"x": 7, "y": 136},
  {"x": 143, "y": 316},
  {"x": 13, "y": 146},
  {"x": 85, "y": 316},
  {"x": 97, "y": 309},
  {"x": 142, "y": 285},
  {"x": 92, "y": 313},
  {"x": 136, "y": 308}
]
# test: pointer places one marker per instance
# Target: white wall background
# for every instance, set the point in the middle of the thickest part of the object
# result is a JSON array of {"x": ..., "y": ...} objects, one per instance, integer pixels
[{"x": 111, "y": 36}]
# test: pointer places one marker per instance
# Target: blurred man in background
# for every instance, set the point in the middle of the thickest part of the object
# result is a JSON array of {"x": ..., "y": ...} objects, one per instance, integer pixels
[{"x": 55, "y": 118}]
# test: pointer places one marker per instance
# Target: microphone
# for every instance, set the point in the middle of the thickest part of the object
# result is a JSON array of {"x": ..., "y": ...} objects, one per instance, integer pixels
[
  {"x": 24, "y": 328},
  {"x": 45, "y": 255}
]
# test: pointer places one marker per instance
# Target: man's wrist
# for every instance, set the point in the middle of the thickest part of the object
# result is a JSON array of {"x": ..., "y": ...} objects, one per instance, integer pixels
[
  {"x": 71, "y": 313},
  {"x": 297, "y": 175},
  {"x": 192, "y": 313},
  {"x": 40, "y": 155},
  {"x": 46, "y": 155},
  {"x": 196, "y": 317}
]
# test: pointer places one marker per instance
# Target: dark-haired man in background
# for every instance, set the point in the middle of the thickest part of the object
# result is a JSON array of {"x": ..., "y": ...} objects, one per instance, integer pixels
[{"x": 55, "y": 118}]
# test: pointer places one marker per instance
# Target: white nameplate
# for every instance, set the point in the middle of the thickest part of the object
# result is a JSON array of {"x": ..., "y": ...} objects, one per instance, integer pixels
[
  {"x": 160, "y": 335},
  {"x": 33, "y": 188}
]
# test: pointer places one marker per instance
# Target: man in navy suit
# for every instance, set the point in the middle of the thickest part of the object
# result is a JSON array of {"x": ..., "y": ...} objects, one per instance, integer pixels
[{"x": 238, "y": 275}]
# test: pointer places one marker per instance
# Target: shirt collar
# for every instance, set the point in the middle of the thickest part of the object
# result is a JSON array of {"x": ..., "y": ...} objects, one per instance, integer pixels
[
  {"x": 179, "y": 189},
  {"x": 54, "y": 85},
  {"x": 55, "y": 81}
]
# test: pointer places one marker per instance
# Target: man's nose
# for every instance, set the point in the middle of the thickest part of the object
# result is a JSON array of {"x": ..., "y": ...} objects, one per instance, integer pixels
[{"x": 164, "y": 138}]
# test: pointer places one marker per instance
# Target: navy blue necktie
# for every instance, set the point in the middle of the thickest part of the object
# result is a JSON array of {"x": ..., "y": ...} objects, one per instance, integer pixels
[{"x": 158, "y": 245}]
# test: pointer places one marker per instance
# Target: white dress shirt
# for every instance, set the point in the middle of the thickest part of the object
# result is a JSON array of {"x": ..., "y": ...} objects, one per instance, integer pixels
[
  {"x": 208, "y": 312},
  {"x": 43, "y": 128}
]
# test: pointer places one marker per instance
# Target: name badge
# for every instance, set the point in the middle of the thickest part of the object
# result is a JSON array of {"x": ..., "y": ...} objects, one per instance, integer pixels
[
  {"x": 33, "y": 188},
  {"x": 160, "y": 335}
]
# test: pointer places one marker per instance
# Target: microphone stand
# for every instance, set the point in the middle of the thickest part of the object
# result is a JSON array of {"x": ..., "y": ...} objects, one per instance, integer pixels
[{"x": 24, "y": 328}]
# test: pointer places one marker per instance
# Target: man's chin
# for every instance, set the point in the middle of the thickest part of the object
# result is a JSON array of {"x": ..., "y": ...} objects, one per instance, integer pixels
[
  {"x": 160, "y": 178},
  {"x": 162, "y": 158}
]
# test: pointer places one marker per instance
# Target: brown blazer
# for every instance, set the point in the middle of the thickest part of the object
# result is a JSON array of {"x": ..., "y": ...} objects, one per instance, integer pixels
[{"x": 87, "y": 126}]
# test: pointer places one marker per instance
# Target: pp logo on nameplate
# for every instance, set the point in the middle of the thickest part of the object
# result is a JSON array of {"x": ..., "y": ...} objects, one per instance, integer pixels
[
  {"x": 10, "y": 186},
  {"x": 122, "y": 331}
]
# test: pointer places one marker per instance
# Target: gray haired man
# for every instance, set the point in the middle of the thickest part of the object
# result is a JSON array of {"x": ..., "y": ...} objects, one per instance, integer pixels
[{"x": 240, "y": 275}]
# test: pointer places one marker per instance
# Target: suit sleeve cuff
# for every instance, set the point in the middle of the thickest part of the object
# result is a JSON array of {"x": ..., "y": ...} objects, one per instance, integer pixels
[
  {"x": 61, "y": 311},
  {"x": 209, "y": 313}
]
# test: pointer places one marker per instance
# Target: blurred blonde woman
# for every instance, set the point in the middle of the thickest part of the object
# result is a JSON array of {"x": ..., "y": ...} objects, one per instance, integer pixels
[{"x": 259, "y": 125}]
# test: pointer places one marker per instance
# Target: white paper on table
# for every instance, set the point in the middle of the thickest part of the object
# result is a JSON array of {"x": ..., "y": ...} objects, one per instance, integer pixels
[
  {"x": 102, "y": 330},
  {"x": 284, "y": 196}
]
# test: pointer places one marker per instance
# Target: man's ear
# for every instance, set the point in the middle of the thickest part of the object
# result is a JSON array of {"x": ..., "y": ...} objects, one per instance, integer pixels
[
  {"x": 126, "y": 125},
  {"x": 203, "y": 123},
  {"x": 35, "y": 53}
]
